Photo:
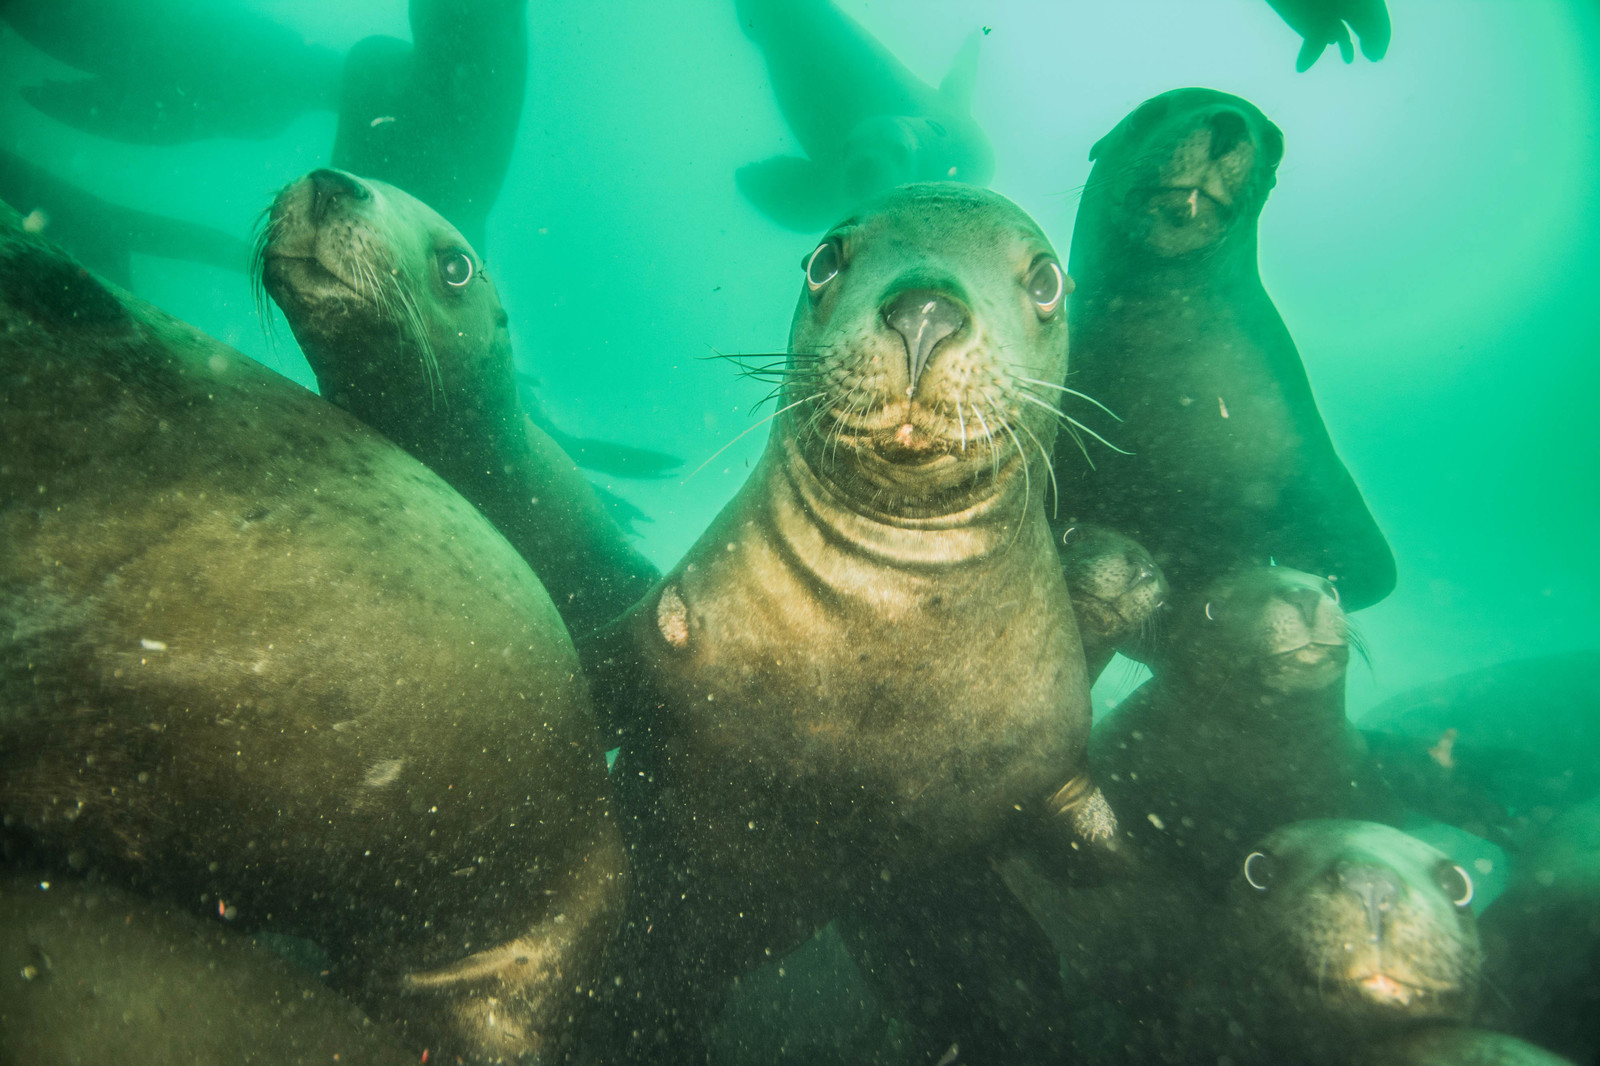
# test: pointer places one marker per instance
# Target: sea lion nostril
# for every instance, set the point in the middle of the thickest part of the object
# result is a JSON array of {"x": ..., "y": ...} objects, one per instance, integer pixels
[
  {"x": 1228, "y": 128},
  {"x": 923, "y": 318},
  {"x": 1376, "y": 886},
  {"x": 1304, "y": 601}
]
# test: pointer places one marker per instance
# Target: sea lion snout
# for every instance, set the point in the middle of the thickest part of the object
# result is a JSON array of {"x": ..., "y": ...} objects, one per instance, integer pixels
[
  {"x": 1376, "y": 886},
  {"x": 924, "y": 318},
  {"x": 331, "y": 187}
]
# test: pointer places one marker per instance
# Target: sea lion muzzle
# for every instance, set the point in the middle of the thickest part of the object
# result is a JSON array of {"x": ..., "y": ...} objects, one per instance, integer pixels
[
  {"x": 329, "y": 187},
  {"x": 923, "y": 318}
]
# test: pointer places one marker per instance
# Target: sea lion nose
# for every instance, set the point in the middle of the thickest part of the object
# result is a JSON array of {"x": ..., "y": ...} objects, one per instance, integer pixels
[
  {"x": 1305, "y": 601},
  {"x": 1228, "y": 128},
  {"x": 1376, "y": 887},
  {"x": 923, "y": 318},
  {"x": 328, "y": 186}
]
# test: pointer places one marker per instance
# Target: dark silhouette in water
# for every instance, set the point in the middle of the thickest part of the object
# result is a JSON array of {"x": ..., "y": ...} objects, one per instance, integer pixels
[
  {"x": 1227, "y": 462},
  {"x": 105, "y": 235},
  {"x": 865, "y": 121},
  {"x": 1325, "y": 22}
]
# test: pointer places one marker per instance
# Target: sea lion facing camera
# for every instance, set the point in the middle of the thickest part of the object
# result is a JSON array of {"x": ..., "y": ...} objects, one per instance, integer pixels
[
  {"x": 404, "y": 329},
  {"x": 868, "y": 664},
  {"x": 1230, "y": 462},
  {"x": 256, "y": 660},
  {"x": 1116, "y": 589},
  {"x": 867, "y": 123},
  {"x": 1243, "y": 729}
]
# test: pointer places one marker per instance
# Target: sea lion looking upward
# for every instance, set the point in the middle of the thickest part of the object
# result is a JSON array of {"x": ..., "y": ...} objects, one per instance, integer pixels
[
  {"x": 1243, "y": 729},
  {"x": 404, "y": 329},
  {"x": 256, "y": 659},
  {"x": 867, "y": 123},
  {"x": 868, "y": 664},
  {"x": 1171, "y": 329}
]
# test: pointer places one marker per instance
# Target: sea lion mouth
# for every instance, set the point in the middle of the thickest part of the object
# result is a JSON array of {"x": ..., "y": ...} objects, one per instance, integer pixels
[
  {"x": 305, "y": 274},
  {"x": 1181, "y": 206}
]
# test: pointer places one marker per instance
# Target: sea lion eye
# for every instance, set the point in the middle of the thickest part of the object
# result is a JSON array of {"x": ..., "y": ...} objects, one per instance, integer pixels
[
  {"x": 1258, "y": 870},
  {"x": 1047, "y": 285},
  {"x": 456, "y": 268},
  {"x": 1454, "y": 882},
  {"x": 823, "y": 265}
]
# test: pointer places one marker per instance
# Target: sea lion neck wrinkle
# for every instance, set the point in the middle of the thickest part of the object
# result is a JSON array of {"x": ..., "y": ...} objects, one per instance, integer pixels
[{"x": 821, "y": 526}]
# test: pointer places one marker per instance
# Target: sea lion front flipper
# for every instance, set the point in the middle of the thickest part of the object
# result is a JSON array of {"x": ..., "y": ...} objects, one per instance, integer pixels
[
  {"x": 795, "y": 193},
  {"x": 620, "y": 459}
]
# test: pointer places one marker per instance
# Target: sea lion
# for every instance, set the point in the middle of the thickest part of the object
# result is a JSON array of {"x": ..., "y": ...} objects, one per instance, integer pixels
[
  {"x": 1325, "y": 22},
  {"x": 105, "y": 236},
  {"x": 1542, "y": 937},
  {"x": 404, "y": 329},
  {"x": 1328, "y": 935},
  {"x": 1116, "y": 589},
  {"x": 867, "y": 123},
  {"x": 1243, "y": 729},
  {"x": 90, "y": 973},
  {"x": 255, "y": 659},
  {"x": 1225, "y": 461},
  {"x": 868, "y": 666}
]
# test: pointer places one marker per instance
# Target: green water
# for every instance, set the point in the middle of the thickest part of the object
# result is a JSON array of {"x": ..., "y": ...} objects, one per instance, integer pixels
[{"x": 1430, "y": 244}]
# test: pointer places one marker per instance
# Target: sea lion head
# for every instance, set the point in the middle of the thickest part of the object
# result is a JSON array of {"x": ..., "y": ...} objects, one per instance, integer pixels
[
  {"x": 1270, "y": 628},
  {"x": 1185, "y": 174},
  {"x": 885, "y": 151},
  {"x": 926, "y": 353},
  {"x": 1116, "y": 587},
  {"x": 381, "y": 292},
  {"x": 1358, "y": 922}
]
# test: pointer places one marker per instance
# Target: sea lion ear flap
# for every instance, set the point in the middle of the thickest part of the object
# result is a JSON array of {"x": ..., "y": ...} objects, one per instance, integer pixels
[
  {"x": 958, "y": 83},
  {"x": 1094, "y": 151}
]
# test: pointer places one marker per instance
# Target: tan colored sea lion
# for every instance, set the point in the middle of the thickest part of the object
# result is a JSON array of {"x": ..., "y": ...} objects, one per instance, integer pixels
[
  {"x": 1225, "y": 460},
  {"x": 404, "y": 329},
  {"x": 868, "y": 665},
  {"x": 257, "y": 661},
  {"x": 1243, "y": 729},
  {"x": 91, "y": 974}
]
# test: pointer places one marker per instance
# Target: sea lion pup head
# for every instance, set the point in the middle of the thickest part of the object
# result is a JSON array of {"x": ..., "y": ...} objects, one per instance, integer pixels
[
  {"x": 1270, "y": 627},
  {"x": 927, "y": 349},
  {"x": 359, "y": 266},
  {"x": 1116, "y": 587},
  {"x": 1357, "y": 924},
  {"x": 1184, "y": 175}
]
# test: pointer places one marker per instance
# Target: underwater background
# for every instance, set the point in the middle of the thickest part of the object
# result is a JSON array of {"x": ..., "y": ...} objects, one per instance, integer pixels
[{"x": 1430, "y": 245}]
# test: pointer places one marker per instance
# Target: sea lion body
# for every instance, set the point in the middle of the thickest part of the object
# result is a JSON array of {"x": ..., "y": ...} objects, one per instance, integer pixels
[
  {"x": 404, "y": 329},
  {"x": 258, "y": 659},
  {"x": 1230, "y": 462},
  {"x": 865, "y": 121},
  {"x": 90, "y": 973},
  {"x": 868, "y": 664},
  {"x": 1243, "y": 729},
  {"x": 1342, "y": 934}
]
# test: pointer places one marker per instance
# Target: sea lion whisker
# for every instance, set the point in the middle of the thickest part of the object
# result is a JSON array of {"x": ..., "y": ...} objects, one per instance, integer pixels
[
  {"x": 1031, "y": 398},
  {"x": 419, "y": 332},
  {"x": 994, "y": 458},
  {"x": 1050, "y": 468},
  {"x": 962, "y": 422},
  {"x": 1071, "y": 392},
  {"x": 1027, "y": 477},
  {"x": 735, "y": 440}
]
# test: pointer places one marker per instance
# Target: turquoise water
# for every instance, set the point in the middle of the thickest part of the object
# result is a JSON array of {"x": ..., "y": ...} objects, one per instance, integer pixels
[{"x": 1429, "y": 244}]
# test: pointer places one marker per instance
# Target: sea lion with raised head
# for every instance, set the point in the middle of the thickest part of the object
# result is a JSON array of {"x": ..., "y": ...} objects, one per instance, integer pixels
[
  {"x": 1243, "y": 729},
  {"x": 90, "y": 973},
  {"x": 1225, "y": 460},
  {"x": 868, "y": 665},
  {"x": 866, "y": 122},
  {"x": 404, "y": 329},
  {"x": 1117, "y": 591},
  {"x": 1328, "y": 935},
  {"x": 255, "y": 659}
]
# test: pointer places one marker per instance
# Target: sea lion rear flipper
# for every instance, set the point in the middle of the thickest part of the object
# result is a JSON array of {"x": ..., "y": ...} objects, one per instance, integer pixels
[
  {"x": 795, "y": 193},
  {"x": 1370, "y": 20},
  {"x": 620, "y": 459}
]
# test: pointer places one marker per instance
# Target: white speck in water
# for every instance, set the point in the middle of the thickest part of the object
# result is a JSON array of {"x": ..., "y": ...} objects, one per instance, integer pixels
[
  {"x": 152, "y": 645},
  {"x": 383, "y": 772},
  {"x": 1155, "y": 820}
]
